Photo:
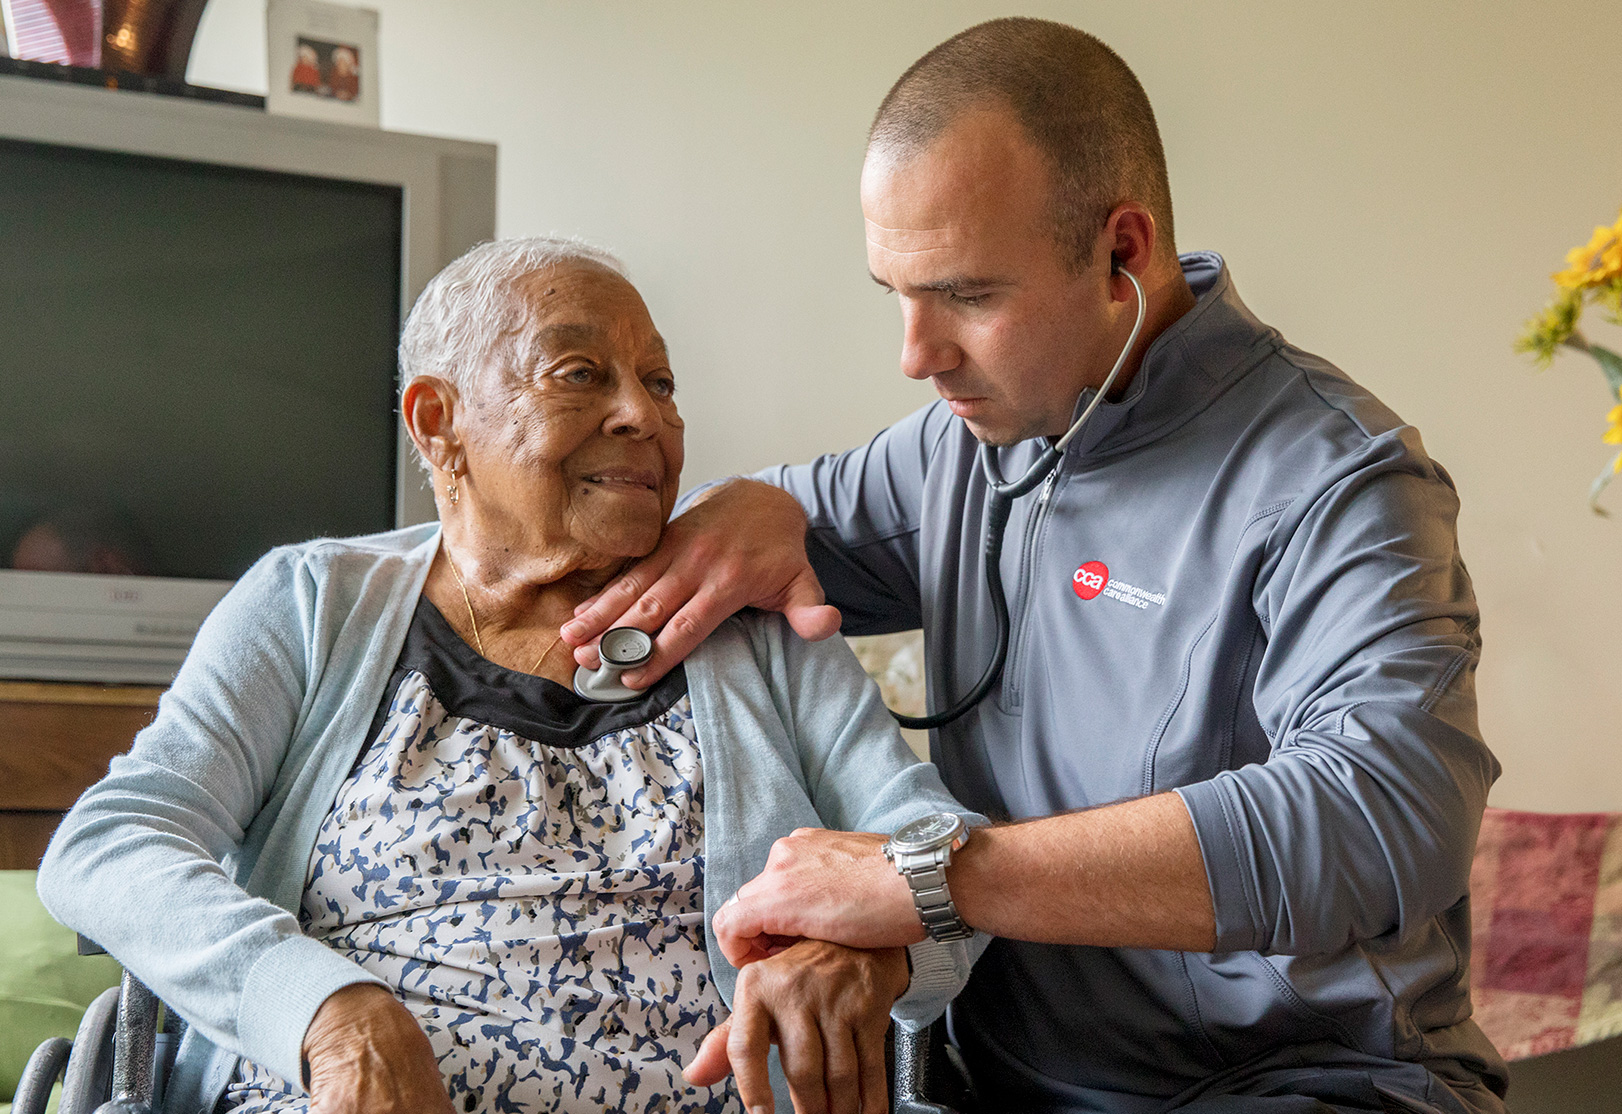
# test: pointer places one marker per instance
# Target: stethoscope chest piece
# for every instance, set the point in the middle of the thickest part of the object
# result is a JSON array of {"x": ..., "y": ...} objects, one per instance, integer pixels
[{"x": 620, "y": 649}]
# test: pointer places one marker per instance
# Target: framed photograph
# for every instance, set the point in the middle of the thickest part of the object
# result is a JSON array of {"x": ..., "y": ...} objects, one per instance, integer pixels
[{"x": 323, "y": 61}]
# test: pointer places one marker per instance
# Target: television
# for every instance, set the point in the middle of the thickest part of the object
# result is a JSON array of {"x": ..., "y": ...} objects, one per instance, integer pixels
[{"x": 199, "y": 306}]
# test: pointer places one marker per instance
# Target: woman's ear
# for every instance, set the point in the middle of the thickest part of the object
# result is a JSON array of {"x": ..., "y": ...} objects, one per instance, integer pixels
[{"x": 429, "y": 409}]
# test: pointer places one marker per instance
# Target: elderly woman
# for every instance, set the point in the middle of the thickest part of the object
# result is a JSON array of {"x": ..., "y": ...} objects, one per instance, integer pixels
[{"x": 380, "y": 856}]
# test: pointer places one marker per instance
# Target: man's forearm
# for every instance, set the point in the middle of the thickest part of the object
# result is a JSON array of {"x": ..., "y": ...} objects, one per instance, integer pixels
[{"x": 1128, "y": 875}]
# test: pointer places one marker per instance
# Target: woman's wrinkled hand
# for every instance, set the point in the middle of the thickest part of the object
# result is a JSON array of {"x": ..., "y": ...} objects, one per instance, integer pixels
[
  {"x": 827, "y": 1008},
  {"x": 368, "y": 1055}
]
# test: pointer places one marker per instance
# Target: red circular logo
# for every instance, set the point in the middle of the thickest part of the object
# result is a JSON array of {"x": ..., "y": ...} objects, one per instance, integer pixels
[{"x": 1089, "y": 580}]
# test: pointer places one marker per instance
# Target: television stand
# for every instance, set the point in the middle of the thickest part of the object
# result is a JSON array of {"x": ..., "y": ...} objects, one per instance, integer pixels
[{"x": 55, "y": 742}]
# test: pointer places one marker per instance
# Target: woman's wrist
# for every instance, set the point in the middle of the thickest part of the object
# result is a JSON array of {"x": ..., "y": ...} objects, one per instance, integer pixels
[
  {"x": 365, "y": 1054},
  {"x": 895, "y": 967},
  {"x": 346, "y": 1018}
]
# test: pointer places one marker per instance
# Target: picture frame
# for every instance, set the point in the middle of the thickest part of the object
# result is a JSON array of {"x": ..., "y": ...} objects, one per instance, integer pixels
[{"x": 323, "y": 61}]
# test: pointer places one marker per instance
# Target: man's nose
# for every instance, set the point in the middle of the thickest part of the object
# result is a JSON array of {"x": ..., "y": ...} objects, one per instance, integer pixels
[{"x": 927, "y": 347}]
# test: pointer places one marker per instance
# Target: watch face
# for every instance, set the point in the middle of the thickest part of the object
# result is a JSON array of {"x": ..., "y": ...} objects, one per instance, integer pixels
[{"x": 927, "y": 832}]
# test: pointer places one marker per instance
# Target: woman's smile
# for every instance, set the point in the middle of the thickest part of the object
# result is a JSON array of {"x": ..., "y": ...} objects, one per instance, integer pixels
[{"x": 626, "y": 478}]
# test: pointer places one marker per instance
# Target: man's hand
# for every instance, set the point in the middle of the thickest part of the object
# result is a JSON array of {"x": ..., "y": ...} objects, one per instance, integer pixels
[
  {"x": 1127, "y": 875},
  {"x": 368, "y": 1055},
  {"x": 819, "y": 885},
  {"x": 741, "y": 544},
  {"x": 827, "y": 1008}
]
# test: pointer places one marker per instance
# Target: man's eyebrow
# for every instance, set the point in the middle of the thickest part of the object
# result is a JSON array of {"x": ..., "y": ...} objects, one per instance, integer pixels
[{"x": 952, "y": 284}]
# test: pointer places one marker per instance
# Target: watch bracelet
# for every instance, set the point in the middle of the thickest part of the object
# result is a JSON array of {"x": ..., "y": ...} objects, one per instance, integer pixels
[{"x": 933, "y": 901}]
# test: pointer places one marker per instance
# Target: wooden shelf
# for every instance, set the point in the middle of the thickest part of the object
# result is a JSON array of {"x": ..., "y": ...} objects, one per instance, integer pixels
[
  {"x": 54, "y": 692},
  {"x": 55, "y": 741}
]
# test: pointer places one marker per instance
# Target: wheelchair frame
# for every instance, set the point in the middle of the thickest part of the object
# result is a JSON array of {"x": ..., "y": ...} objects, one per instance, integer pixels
[{"x": 126, "y": 1043}]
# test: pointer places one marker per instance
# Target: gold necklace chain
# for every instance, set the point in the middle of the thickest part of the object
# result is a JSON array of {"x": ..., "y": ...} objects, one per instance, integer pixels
[{"x": 474, "y": 619}]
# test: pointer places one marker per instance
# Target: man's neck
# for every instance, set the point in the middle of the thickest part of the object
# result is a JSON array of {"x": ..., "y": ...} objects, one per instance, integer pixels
[{"x": 1166, "y": 289}]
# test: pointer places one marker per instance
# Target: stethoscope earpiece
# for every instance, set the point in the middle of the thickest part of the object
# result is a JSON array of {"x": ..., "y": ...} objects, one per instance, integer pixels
[{"x": 620, "y": 649}]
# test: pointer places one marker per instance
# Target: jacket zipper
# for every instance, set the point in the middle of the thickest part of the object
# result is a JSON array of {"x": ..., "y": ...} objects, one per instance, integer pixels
[{"x": 1012, "y": 688}]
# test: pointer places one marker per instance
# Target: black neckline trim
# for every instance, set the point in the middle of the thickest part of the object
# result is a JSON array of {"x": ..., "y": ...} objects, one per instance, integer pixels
[{"x": 533, "y": 708}]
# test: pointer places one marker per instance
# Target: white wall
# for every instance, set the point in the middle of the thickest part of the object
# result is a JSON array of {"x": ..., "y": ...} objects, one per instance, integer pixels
[{"x": 1392, "y": 183}]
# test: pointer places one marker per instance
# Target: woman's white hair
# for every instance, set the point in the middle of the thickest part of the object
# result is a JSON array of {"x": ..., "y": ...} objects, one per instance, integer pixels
[{"x": 471, "y": 316}]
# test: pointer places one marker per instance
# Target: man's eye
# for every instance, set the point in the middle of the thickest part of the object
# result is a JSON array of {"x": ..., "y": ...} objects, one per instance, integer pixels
[
  {"x": 580, "y": 374},
  {"x": 663, "y": 387},
  {"x": 966, "y": 299}
]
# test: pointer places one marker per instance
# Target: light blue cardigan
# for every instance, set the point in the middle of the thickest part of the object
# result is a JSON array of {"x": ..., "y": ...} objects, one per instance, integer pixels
[{"x": 187, "y": 862}]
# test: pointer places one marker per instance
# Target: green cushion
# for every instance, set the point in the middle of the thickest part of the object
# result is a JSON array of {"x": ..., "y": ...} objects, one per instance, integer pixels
[{"x": 45, "y": 984}]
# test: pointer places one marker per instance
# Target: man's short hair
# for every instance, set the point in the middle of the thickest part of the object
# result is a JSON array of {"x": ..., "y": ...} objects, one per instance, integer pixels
[{"x": 1080, "y": 104}]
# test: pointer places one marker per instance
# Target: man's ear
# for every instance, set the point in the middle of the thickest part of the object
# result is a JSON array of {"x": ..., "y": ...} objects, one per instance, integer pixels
[
  {"x": 1130, "y": 237},
  {"x": 429, "y": 409}
]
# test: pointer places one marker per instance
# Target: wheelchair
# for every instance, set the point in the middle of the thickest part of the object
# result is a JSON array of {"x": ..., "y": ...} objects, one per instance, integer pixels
[{"x": 126, "y": 1043}]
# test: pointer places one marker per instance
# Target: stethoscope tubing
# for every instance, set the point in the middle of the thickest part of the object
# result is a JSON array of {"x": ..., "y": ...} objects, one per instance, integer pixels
[{"x": 1003, "y": 494}]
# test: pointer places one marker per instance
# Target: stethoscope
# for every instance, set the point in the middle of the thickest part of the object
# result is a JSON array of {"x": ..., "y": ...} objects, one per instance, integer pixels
[
  {"x": 626, "y": 648},
  {"x": 619, "y": 649},
  {"x": 1003, "y": 495}
]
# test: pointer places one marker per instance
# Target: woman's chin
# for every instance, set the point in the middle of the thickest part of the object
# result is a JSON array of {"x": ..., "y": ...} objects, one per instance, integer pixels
[{"x": 618, "y": 543}]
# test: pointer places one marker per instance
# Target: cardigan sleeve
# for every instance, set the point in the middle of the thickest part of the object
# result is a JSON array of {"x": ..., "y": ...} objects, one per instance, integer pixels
[
  {"x": 145, "y": 862},
  {"x": 862, "y": 776}
]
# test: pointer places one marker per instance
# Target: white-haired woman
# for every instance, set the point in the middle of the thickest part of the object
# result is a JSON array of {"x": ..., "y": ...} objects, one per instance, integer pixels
[{"x": 381, "y": 857}]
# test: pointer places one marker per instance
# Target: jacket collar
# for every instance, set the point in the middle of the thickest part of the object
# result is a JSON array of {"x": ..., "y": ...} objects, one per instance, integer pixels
[{"x": 1187, "y": 365}]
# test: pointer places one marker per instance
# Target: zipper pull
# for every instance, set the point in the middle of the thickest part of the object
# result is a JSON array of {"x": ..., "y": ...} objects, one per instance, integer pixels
[{"x": 1047, "y": 487}]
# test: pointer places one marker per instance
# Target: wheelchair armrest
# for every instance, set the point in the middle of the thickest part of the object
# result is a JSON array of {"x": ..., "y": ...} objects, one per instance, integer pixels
[
  {"x": 925, "y": 1074},
  {"x": 126, "y": 1029},
  {"x": 135, "y": 1045}
]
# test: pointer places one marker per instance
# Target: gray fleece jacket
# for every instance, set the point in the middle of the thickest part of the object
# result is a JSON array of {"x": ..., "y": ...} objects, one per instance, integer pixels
[{"x": 1243, "y": 584}]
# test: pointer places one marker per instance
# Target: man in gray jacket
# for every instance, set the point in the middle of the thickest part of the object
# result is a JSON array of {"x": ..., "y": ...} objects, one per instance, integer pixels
[{"x": 1234, "y": 749}]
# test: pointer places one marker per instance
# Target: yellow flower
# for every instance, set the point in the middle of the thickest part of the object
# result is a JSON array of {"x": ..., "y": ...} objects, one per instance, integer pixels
[
  {"x": 1549, "y": 329},
  {"x": 1597, "y": 262},
  {"x": 1613, "y": 436}
]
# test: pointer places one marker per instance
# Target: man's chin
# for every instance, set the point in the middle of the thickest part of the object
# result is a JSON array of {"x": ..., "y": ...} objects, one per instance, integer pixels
[{"x": 997, "y": 436}]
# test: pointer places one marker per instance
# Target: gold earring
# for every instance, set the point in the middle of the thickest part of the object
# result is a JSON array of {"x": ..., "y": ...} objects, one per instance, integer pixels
[{"x": 451, "y": 491}]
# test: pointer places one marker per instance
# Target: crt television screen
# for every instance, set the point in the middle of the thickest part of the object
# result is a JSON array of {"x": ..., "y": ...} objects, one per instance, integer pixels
[{"x": 197, "y": 362}]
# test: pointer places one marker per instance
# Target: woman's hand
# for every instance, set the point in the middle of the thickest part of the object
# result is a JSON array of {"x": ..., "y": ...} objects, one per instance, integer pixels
[
  {"x": 827, "y": 1008},
  {"x": 368, "y": 1055}
]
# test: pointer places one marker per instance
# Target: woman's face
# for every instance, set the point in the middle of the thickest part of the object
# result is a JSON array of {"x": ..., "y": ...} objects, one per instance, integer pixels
[{"x": 576, "y": 449}]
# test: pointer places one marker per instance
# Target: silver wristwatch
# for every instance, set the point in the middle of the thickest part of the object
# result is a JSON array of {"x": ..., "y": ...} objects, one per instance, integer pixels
[{"x": 921, "y": 852}]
